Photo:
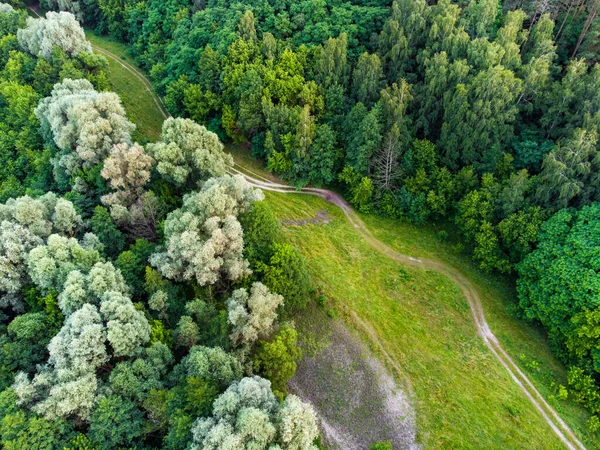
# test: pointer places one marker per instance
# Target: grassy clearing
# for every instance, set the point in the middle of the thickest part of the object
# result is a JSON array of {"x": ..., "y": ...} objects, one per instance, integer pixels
[
  {"x": 464, "y": 398},
  {"x": 139, "y": 105}
]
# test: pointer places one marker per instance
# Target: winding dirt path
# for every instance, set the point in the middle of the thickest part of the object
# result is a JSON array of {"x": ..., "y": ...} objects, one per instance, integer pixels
[{"x": 561, "y": 429}]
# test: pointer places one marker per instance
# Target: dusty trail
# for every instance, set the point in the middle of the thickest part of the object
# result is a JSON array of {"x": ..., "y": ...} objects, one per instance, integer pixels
[{"x": 561, "y": 429}]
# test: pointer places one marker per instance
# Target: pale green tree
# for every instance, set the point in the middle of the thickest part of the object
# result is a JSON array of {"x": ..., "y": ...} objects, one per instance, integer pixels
[
  {"x": 56, "y": 30},
  {"x": 188, "y": 153},
  {"x": 203, "y": 238},
  {"x": 83, "y": 123},
  {"x": 252, "y": 314},
  {"x": 26, "y": 223},
  {"x": 247, "y": 416},
  {"x": 128, "y": 168}
]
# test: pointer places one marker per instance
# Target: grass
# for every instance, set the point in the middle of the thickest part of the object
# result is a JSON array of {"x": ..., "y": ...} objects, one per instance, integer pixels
[
  {"x": 463, "y": 397},
  {"x": 139, "y": 105}
]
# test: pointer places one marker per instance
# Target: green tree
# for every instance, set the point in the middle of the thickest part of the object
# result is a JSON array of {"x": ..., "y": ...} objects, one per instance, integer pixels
[{"x": 276, "y": 359}]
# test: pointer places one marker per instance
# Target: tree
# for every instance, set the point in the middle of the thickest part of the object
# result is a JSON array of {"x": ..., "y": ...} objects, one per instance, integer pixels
[
  {"x": 127, "y": 169},
  {"x": 479, "y": 118},
  {"x": 367, "y": 78},
  {"x": 83, "y": 123},
  {"x": 49, "y": 265},
  {"x": 26, "y": 223},
  {"x": 248, "y": 416},
  {"x": 330, "y": 64},
  {"x": 115, "y": 422},
  {"x": 252, "y": 314},
  {"x": 204, "y": 238},
  {"x": 80, "y": 288},
  {"x": 286, "y": 273},
  {"x": 57, "y": 29},
  {"x": 137, "y": 378},
  {"x": 68, "y": 383},
  {"x": 109, "y": 235},
  {"x": 246, "y": 26},
  {"x": 559, "y": 280},
  {"x": 261, "y": 227},
  {"x": 188, "y": 153},
  {"x": 569, "y": 171},
  {"x": 10, "y": 20},
  {"x": 276, "y": 359},
  {"x": 211, "y": 364}
]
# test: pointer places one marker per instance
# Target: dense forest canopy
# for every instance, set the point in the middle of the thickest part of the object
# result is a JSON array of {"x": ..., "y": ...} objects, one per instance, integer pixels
[{"x": 145, "y": 291}]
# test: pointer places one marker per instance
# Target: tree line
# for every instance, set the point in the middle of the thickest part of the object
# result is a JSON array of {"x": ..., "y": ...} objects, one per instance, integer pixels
[{"x": 145, "y": 293}]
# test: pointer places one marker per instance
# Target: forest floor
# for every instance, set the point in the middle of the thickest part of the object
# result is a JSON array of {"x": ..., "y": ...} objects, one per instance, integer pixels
[{"x": 418, "y": 321}]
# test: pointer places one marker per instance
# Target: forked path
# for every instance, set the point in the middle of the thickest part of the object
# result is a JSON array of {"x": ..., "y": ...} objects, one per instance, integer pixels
[{"x": 562, "y": 430}]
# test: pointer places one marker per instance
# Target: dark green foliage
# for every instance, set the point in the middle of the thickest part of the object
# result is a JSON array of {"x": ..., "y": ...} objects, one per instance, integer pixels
[
  {"x": 286, "y": 274},
  {"x": 108, "y": 233},
  {"x": 260, "y": 231},
  {"x": 276, "y": 359},
  {"x": 559, "y": 280},
  {"x": 132, "y": 264},
  {"x": 115, "y": 422}
]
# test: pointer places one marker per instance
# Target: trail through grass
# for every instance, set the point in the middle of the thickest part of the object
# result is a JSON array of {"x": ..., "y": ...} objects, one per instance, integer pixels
[{"x": 135, "y": 94}]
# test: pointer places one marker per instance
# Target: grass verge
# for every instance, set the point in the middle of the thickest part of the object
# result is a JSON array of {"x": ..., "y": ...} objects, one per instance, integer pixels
[{"x": 136, "y": 99}]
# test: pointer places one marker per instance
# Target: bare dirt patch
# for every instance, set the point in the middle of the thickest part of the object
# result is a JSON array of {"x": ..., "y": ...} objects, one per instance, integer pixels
[
  {"x": 322, "y": 218},
  {"x": 357, "y": 400}
]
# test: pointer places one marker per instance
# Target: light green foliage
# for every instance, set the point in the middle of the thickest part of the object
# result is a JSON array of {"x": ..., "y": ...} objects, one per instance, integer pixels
[
  {"x": 387, "y": 445},
  {"x": 276, "y": 359},
  {"x": 187, "y": 333},
  {"x": 248, "y": 416},
  {"x": 10, "y": 19},
  {"x": 204, "y": 238},
  {"x": 569, "y": 172},
  {"x": 83, "y": 123},
  {"x": 57, "y": 29},
  {"x": 80, "y": 288},
  {"x": 49, "y": 265},
  {"x": 25, "y": 223},
  {"x": 188, "y": 153},
  {"x": 213, "y": 365},
  {"x": 252, "y": 314},
  {"x": 135, "y": 379},
  {"x": 127, "y": 169},
  {"x": 367, "y": 78}
]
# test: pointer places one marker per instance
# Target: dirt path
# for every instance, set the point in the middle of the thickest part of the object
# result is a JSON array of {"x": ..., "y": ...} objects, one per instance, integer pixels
[
  {"x": 136, "y": 73},
  {"x": 562, "y": 430},
  {"x": 550, "y": 415}
]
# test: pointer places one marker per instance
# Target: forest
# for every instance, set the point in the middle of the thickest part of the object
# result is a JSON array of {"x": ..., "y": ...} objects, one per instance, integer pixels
[{"x": 146, "y": 292}]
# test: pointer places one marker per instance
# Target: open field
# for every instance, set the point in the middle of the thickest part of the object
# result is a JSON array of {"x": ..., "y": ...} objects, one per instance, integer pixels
[{"x": 463, "y": 397}]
